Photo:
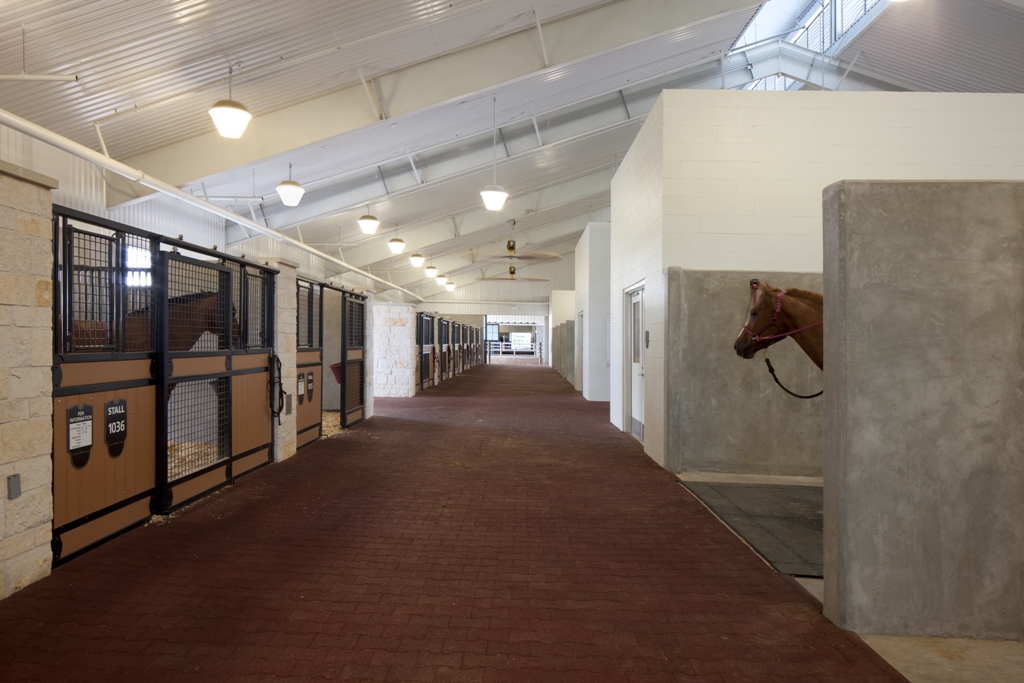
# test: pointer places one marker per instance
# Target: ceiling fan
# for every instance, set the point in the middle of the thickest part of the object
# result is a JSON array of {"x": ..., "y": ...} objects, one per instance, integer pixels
[
  {"x": 510, "y": 255},
  {"x": 511, "y": 277}
]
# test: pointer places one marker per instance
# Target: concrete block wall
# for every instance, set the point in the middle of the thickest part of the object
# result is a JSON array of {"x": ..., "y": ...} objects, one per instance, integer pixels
[
  {"x": 26, "y": 403},
  {"x": 636, "y": 259},
  {"x": 568, "y": 351},
  {"x": 726, "y": 414},
  {"x": 593, "y": 287},
  {"x": 561, "y": 307},
  {"x": 394, "y": 342},
  {"x": 924, "y": 445},
  {"x": 732, "y": 181},
  {"x": 556, "y": 348}
]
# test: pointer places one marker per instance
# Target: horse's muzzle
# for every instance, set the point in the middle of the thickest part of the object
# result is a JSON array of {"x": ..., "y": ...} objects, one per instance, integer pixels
[{"x": 745, "y": 348}]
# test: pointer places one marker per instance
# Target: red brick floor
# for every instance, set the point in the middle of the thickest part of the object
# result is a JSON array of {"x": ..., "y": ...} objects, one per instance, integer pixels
[{"x": 496, "y": 528}]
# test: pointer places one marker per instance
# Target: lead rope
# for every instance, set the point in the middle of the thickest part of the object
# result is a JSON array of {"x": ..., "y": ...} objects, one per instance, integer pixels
[{"x": 776, "y": 378}]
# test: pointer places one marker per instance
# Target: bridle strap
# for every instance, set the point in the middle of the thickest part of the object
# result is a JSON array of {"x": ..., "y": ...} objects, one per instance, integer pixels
[{"x": 774, "y": 322}]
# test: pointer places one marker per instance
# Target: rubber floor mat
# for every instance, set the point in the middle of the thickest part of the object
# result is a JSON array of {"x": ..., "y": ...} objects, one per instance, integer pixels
[{"x": 783, "y": 523}]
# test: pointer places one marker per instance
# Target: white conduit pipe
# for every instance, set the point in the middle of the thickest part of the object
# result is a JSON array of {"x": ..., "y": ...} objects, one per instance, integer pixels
[{"x": 70, "y": 146}]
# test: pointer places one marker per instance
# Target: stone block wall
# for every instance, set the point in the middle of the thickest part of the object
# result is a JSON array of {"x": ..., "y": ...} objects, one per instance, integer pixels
[
  {"x": 26, "y": 403},
  {"x": 285, "y": 345},
  {"x": 394, "y": 342}
]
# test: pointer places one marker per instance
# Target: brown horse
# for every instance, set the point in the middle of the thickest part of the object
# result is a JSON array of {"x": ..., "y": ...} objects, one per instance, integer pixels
[
  {"x": 189, "y": 316},
  {"x": 777, "y": 314}
]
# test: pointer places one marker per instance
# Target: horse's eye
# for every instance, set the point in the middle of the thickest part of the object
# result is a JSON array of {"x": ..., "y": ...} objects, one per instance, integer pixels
[{"x": 753, "y": 314}]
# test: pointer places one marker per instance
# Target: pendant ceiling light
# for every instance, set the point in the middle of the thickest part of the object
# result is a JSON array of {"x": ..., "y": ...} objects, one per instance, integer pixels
[
  {"x": 290, "y": 191},
  {"x": 431, "y": 271},
  {"x": 416, "y": 260},
  {"x": 450, "y": 286},
  {"x": 396, "y": 245},
  {"x": 368, "y": 224},
  {"x": 441, "y": 279},
  {"x": 229, "y": 116},
  {"x": 494, "y": 196}
]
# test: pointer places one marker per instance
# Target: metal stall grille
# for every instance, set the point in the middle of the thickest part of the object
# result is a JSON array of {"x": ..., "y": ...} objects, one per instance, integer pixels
[
  {"x": 198, "y": 426},
  {"x": 136, "y": 252},
  {"x": 353, "y": 367},
  {"x": 199, "y": 316},
  {"x": 444, "y": 334},
  {"x": 456, "y": 348},
  {"x": 91, "y": 280},
  {"x": 167, "y": 358},
  {"x": 425, "y": 339},
  {"x": 309, "y": 362},
  {"x": 255, "y": 315}
]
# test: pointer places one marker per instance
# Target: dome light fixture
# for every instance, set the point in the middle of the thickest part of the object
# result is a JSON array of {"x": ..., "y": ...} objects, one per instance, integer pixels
[
  {"x": 396, "y": 245},
  {"x": 416, "y": 260},
  {"x": 494, "y": 195},
  {"x": 290, "y": 191},
  {"x": 450, "y": 286},
  {"x": 431, "y": 271},
  {"x": 368, "y": 223},
  {"x": 441, "y": 279},
  {"x": 230, "y": 117}
]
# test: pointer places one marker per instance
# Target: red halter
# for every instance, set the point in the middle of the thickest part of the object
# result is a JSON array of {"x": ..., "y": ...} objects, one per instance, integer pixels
[{"x": 774, "y": 322}]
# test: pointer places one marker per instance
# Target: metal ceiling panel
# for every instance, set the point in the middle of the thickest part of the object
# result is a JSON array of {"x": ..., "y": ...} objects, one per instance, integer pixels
[
  {"x": 140, "y": 53},
  {"x": 517, "y": 100},
  {"x": 947, "y": 46},
  {"x": 454, "y": 196}
]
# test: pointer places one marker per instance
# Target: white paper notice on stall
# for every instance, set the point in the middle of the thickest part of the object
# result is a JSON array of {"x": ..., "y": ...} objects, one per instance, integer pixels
[{"x": 80, "y": 432}]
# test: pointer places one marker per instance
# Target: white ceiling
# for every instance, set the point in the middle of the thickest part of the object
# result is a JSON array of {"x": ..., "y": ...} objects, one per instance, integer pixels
[{"x": 149, "y": 69}]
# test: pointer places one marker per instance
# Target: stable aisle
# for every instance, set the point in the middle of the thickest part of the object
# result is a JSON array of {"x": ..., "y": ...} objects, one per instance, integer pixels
[{"x": 494, "y": 528}]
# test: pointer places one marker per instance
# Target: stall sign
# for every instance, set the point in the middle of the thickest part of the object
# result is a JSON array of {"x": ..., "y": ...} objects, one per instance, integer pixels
[{"x": 80, "y": 434}]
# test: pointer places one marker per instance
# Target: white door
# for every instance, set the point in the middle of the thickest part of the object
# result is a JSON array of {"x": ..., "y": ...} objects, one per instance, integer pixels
[{"x": 636, "y": 321}]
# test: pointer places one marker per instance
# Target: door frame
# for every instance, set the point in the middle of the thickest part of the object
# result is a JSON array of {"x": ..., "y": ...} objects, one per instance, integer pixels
[{"x": 627, "y": 355}]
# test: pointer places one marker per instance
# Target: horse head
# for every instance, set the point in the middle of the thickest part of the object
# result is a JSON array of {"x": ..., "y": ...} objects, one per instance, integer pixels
[{"x": 763, "y": 299}]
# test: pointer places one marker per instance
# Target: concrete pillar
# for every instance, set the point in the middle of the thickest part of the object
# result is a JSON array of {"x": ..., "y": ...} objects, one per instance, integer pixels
[
  {"x": 332, "y": 348},
  {"x": 370, "y": 352},
  {"x": 286, "y": 328},
  {"x": 924, "y": 443},
  {"x": 26, "y": 403},
  {"x": 569, "y": 351},
  {"x": 394, "y": 341},
  {"x": 593, "y": 300}
]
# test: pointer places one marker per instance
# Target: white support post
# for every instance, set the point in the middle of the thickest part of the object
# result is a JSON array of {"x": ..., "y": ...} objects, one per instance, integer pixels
[{"x": 543, "y": 46}]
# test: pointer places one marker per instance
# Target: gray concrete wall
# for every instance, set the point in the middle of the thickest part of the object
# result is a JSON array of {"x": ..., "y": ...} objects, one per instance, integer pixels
[
  {"x": 556, "y": 347},
  {"x": 924, "y": 443},
  {"x": 332, "y": 348},
  {"x": 723, "y": 413},
  {"x": 568, "y": 351}
]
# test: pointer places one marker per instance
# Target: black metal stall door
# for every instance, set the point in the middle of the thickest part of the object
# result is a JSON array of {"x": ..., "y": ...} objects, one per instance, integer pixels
[
  {"x": 193, "y": 387},
  {"x": 425, "y": 341},
  {"x": 353, "y": 354}
]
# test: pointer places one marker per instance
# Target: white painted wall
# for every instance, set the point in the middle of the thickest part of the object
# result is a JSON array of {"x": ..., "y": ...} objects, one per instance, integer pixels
[
  {"x": 636, "y": 250},
  {"x": 561, "y": 308},
  {"x": 593, "y": 287},
  {"x": 732, "y": 180},
  {"x": 394, "y": 344}
]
